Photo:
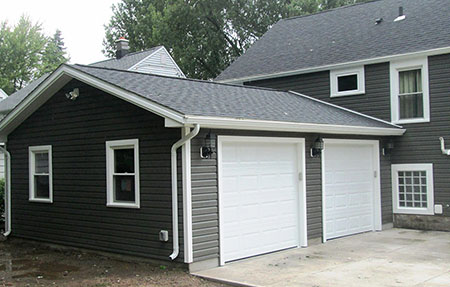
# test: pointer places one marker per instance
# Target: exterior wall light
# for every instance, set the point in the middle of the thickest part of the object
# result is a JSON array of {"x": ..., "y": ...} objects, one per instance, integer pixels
[
  {"x": 388, "y": 147},
  {"x": 207, "y": 149},
  {"x": 73, "y": 95},
  {"x": 317, "y": 147}
]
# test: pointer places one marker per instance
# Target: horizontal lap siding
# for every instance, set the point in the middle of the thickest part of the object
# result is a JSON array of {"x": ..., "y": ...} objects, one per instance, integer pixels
[
  {"x": 205, "y": 192},
  {"x": 77, "y": 131}
]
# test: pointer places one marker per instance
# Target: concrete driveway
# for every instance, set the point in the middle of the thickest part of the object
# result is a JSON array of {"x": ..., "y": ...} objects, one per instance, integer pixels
[{"x": 394, "y": 257}]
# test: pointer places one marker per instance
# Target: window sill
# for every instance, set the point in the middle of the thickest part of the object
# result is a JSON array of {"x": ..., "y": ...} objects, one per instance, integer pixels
[
  {"x": 123, "y": 205},
  {"x": 42, "y": 200},
  {"x": 411, "y": 121},
  {"x": 347, "y": 94},
  {"x": 418, "y": 211}
]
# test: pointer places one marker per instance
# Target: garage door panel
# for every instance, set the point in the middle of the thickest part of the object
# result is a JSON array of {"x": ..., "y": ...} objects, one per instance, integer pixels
[
  {"x": 259, "y": 198},
  {"x": 349, "y": 189}
]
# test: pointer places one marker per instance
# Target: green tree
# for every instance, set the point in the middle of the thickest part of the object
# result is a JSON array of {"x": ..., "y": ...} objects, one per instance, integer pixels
[
  {"x": 26, "y": 54},
  {"x": 204, "y": 36},
  {"x": 54, "y": 53}
]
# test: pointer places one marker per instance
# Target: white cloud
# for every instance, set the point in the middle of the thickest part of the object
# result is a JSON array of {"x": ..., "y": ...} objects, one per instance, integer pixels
[{"x": 80, "y": 21}]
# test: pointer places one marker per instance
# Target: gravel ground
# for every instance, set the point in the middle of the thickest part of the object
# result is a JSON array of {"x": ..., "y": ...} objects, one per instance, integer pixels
[{"x": 25, "y": 263}]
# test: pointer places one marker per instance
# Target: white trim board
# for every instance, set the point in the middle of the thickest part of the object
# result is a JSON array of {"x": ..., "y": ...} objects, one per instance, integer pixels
[
  {"x": 301, "y": 168},
  {"x": 187, "y": 198},
  {"x": 377, "y": 220},
  {"x": 431, "y": 52}
]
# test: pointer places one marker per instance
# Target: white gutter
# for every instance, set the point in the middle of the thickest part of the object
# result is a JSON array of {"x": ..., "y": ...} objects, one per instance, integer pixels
[
  {"x": 7, "y": 192},
  {"x": 181, "y": 142}
]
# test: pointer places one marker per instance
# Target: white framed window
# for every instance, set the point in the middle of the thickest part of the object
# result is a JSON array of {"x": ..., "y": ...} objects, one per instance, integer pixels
[
  {"x": 122, "y": 173},
  {"x": 40, "y": 173},
  {"x": 412, "y": 186},
  {"x": 347, "y": 82},
  {"x": 410, "y": 100}
]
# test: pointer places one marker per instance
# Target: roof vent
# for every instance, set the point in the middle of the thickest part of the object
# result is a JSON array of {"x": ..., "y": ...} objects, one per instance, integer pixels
[
  {"x": 378, "y": 21},
  {"x": 122, "y": 47},
  {"x": 401, "y": 16}
]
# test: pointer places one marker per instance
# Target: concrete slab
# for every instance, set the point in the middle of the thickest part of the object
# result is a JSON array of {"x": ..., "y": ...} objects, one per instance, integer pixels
[{"x": 394, "y": 257}]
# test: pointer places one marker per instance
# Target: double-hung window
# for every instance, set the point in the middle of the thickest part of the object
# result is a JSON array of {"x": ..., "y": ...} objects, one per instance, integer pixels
[
  {"x": 40, "y": 173},
  {"x": 122, "y": 172},
  {"x": 412, "y": 186},
  {"x": 409, "y": 91}
]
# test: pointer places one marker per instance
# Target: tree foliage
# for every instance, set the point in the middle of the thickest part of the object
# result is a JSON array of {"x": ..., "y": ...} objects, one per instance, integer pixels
[
  {"x": 27, "y": 53},
  {"x": 204, "y": 36}
]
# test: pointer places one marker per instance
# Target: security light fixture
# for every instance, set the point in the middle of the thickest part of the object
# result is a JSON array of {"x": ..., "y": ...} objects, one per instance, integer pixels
[
  {"x": 207, "y": 149},
  {"x": 317, "y": 147}
]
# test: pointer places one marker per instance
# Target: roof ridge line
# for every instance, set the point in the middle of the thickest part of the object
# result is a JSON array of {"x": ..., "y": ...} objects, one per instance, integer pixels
[
  {"x": 329, "y": 10},
  {"x": 182, "y": 79},
  {"x": 345, "y": 109}
]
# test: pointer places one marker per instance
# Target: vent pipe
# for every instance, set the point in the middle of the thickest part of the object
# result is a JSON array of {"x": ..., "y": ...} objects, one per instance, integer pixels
[{"x": 401, "y": 16}]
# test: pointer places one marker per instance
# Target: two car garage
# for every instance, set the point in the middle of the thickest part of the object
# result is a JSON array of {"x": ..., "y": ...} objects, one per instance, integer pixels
[{"x": 262, "y": 192}]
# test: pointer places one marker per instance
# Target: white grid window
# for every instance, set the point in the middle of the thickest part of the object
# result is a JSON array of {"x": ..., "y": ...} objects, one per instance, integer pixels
[
  {"x": 413, "y": 188},
  {"x": 40, "y": 173},
  {"x": 122, "y": 173}
]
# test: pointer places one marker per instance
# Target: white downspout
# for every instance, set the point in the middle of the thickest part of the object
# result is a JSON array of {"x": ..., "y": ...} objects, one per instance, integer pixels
[
  {"x": 181, "y": 142},
  {"x": 444, "y": 151},
  {"x": 7, "y": 192}
]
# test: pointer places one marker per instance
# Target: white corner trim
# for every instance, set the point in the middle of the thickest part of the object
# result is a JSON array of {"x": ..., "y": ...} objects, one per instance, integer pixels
[
  {"x": 403, "y": 65},
  {"x": 110, "y": 147},
  {"x": 348, "y": 110},
  {"x": 428, "y": 168},
  {"x": 187, "y": 198},
  {"x": 31, "y": 171},
  {"x": 64, "y": 73},
  {"x": 335, "y": 74},
  {"x": 376, "y": 60}
]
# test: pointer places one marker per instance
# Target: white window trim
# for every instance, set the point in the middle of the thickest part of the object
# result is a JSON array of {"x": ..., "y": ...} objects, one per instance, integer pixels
[
  {"x": 31, "y": 168},
  {"x": 428, "y": 167},
  {"x": 405, "y": 65},
  {"x": 118, "y": 144},
  {"x": 334, "y": 74}
]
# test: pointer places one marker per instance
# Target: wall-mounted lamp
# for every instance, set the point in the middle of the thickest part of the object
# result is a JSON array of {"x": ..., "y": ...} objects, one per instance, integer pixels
[
  {"x": 317, "y": 147},
  {"x": 388, "y": 147},
  {"x": 207, "y": 150},
  {"x": 73, "y": 95}
]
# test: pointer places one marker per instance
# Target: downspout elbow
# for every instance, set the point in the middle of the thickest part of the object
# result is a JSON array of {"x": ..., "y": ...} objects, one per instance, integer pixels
[
  {"x": 173, "y": 152},
  {"x": 444, "y": 151}
]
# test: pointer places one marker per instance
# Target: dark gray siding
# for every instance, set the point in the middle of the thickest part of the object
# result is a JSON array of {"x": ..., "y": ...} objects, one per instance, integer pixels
[
  {"x": 420, "y": 143},
  {"x": 205, "y": 192},
  {"x": 77, "y": 131}
]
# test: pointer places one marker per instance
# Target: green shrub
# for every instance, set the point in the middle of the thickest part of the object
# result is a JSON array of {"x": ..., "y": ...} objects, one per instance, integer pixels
[{"x": 2, "y": 197}]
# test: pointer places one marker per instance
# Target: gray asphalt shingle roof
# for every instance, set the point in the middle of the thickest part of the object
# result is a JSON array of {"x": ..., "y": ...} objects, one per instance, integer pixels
[
  {"x": 345, "y": 34},
  {"x": 127, "y": 61},
  {"x": 205, "y": 98}
]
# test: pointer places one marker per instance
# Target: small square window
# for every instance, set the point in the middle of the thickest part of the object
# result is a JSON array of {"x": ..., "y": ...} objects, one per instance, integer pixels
[
  {"x": 122, "y": 161},
  {"x": 40, "y": 174},
  {"x": 411, "y": 192},
  {"x": 347, "y": 82}
]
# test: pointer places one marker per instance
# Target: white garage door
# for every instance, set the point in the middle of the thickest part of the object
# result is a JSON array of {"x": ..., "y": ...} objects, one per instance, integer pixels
[
  {"x": 350, "y": 190},
  {"x": 259, "y": 196}
]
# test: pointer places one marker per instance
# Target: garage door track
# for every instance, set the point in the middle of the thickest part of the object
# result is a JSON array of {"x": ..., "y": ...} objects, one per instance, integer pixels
[{"x": 394, "y": 257}]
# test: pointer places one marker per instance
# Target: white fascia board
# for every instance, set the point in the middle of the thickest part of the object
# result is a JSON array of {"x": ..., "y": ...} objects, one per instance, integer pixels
[
  {"x": 61, "y": 77},
  {"x": 247, "y": 124},
  {"x": 431, "y": 52}
]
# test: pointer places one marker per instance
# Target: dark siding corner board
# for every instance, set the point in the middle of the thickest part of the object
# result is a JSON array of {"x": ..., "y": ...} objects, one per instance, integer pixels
[{"x": 77, "y": 131}]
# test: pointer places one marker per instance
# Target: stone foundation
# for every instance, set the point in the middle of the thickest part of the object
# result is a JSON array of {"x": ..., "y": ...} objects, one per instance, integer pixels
[{"x": 422, "y": 222}]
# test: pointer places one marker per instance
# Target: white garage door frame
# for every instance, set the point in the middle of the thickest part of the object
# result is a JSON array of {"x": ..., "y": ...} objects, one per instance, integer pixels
[
  {"x": 377, "y": 225},
  {"x": 301, "y": 169}
]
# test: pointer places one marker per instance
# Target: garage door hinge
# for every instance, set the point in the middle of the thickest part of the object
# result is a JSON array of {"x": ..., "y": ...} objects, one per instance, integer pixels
[
  {"x": 300, "y": 176},
  {"x": 375, "y": 174}
]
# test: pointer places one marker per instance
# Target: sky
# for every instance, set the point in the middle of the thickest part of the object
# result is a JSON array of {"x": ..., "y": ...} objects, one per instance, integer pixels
[{"x": 80, "y": 21}]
